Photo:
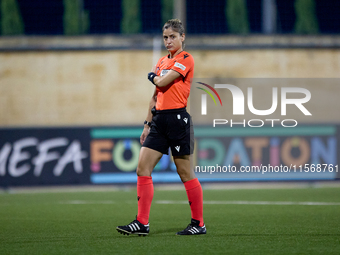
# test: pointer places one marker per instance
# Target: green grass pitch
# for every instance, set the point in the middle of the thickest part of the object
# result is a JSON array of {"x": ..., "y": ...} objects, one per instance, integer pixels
[{"x": 244, "y": 221}]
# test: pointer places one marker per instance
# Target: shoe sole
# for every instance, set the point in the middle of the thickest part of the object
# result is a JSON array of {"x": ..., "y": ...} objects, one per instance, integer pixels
[{"x": 124, "y": 232}]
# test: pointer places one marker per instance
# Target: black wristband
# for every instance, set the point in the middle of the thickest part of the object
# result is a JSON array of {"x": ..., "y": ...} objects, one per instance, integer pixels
[
  {"x": 151, "y": 77},
  {"x": 148, "y": 123}
]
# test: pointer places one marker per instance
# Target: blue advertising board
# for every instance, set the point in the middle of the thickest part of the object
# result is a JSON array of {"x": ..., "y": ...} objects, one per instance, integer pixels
[{"x": 109, "y": 155}]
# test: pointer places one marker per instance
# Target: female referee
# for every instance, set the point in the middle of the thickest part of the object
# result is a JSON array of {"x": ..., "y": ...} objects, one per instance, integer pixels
[{"x": 168, "y": 125}]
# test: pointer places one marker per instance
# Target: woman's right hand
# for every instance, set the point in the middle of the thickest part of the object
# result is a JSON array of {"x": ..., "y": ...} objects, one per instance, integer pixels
[{"x": 145, "y": 133}]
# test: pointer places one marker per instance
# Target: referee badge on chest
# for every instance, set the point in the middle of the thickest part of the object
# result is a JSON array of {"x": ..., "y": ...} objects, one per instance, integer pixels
[{"x": 164, "y": 72}]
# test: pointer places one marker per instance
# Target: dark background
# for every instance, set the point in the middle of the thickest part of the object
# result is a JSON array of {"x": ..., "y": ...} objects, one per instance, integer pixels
[{"x": 43, "y": 17}]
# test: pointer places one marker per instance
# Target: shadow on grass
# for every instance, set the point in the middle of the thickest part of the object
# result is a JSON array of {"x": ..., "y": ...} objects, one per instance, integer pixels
[{"x": 170, "y": 231}]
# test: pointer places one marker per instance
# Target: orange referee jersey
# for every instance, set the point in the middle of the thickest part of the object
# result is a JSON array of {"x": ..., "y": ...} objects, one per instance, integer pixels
[{"x": 175, "y": 95}]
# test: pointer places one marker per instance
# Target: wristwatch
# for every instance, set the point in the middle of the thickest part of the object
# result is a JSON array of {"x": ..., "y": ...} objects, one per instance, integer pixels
[{"x": 148, "y": 123}]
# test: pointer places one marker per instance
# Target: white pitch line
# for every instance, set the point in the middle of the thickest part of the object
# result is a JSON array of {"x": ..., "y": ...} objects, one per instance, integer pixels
[
  {"x": 248, "y": 202},
  {"x": 82, "y": 202}
]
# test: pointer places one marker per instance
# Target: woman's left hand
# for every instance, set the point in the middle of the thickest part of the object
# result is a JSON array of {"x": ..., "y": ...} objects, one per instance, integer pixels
[{"x": 153, "y": 69}]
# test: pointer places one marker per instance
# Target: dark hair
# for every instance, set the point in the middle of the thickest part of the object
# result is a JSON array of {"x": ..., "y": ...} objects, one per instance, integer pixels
[{"x": 176, "y": 25}]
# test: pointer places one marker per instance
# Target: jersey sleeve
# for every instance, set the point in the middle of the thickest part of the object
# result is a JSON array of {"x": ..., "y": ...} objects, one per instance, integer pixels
[{"x": 184, "y": 64}]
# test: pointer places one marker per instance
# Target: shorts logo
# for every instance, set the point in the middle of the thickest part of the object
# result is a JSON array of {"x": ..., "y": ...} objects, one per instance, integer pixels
[
  {"x": 177, "y": 148},
  {"x": 186, "y": 120},
  {"x": 180, "y": 66}
]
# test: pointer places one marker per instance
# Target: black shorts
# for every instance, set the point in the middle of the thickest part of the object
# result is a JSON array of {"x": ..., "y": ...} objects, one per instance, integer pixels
[{"x": 171, "y": 128}]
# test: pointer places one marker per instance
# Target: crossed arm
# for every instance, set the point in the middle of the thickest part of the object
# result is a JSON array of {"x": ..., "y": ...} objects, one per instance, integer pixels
[{"x": 162, "y": 81}]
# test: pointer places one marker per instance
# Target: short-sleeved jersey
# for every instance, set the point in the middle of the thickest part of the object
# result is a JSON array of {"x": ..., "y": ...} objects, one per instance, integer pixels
[{"x": 175, "y": 95}]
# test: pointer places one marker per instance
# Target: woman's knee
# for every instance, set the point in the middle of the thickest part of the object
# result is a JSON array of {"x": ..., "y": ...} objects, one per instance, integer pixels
[
  {"x": 185, "y": 174},
  {"x": 143, "y": 171},
  {"x": 147, "y": 161},
  {"x": 183, "y": 168}
]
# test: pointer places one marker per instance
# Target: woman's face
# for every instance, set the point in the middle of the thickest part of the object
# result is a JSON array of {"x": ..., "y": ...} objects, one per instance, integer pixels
[{"x": 172, "y": 40}]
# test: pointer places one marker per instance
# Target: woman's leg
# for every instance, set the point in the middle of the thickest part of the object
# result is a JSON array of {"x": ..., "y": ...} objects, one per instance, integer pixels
[
  {"x": 192, "y": 187},
  {"x": 148, "y": 159}
]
